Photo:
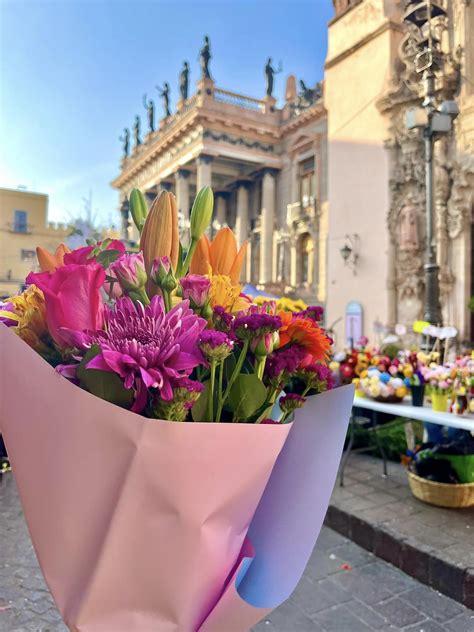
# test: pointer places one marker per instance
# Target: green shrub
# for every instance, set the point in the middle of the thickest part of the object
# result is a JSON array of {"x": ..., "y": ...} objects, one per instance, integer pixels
[{"x": 391, "y": 436}]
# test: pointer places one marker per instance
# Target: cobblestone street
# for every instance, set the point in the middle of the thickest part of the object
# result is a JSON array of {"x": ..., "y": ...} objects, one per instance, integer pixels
[{"x": 345, "y": 589}]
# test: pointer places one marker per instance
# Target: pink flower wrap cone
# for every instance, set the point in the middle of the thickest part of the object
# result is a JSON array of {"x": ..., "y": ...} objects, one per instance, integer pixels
[{"x": 141, "y": 525}]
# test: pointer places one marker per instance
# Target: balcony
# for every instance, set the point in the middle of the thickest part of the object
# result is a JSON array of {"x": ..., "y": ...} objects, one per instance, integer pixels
[{"x": 303, "y": 211}]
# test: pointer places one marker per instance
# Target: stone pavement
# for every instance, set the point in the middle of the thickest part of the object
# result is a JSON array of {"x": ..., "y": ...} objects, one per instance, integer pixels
[
  {"x": 345, "y": 589},
  {"x": 433, "y": 544}
]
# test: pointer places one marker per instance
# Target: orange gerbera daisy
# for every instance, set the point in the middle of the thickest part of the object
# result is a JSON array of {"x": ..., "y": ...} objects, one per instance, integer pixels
[
  {"x": 220, "y": 255},
  {"x": 305, "y": 333}
]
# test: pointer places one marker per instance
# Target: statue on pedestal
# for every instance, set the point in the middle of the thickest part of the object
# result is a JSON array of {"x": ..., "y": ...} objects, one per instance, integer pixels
[
  {"x": 125, "y": 139},
  {"x": 408, "y": 222},
  {"x": 150, "y": 108},
  {"x": 165, "y": 95},
  {"x": 136, "y": 131},
  {"x": 184, "y": 81},
  {"x": 270, "y": 73},
  {"x": 204, "y": 58},
  {"x": 308, "y": 96}
]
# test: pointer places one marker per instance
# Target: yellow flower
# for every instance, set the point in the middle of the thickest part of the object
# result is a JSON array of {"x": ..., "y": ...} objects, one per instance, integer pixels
[
  {"x": 283, "y": 304},
  {"x": 30, "y": 315},
  {"x": 225, "y": 294}
]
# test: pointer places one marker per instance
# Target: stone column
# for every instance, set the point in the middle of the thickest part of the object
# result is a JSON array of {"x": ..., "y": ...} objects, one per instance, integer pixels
[
  {"x": 182, "y": 202},
  {"x": 220, "y": 213},
  {"x": 242, "y": 215},
  {"x": 204, "y": 171},
  {"x": 294, "y": 261},
  {"x": 267, "y": 226}
]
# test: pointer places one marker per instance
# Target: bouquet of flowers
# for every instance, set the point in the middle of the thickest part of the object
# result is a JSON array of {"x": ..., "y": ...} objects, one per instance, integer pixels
[{"x": 143, "y": 514}]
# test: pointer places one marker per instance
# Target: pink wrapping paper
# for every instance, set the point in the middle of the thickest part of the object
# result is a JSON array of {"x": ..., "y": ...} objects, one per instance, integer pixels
[{"x": 139, "y": 525}]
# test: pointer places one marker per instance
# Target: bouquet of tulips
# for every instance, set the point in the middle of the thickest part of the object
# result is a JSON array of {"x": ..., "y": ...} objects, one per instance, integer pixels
[{"x": 151, "y": 524}]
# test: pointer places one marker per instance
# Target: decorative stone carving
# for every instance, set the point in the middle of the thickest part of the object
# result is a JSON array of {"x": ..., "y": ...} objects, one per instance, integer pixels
[
  {"x": 461, "y": 201},
  {"x": 408, "y": 226}
]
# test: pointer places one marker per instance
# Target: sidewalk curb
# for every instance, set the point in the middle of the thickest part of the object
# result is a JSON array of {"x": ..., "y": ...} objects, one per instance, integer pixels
[{"x": 422, "y": 564}]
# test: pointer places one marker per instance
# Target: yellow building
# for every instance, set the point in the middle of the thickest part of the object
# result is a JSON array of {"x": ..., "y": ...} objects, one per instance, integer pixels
[{"x": 23, "y": 226}]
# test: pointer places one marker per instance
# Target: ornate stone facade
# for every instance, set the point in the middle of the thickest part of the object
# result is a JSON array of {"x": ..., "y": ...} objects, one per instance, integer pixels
[{"x": 267, "y": 168}]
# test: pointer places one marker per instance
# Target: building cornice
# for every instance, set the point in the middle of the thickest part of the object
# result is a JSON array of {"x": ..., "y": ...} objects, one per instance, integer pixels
[{"x": 389, "y": 25}]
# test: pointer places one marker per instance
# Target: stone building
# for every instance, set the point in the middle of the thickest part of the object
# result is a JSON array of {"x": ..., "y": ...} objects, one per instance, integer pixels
[
  {"x": 329, "y": 188},
  {"x": 23, "y": 226},
  {"x": 267, "y": 167}
]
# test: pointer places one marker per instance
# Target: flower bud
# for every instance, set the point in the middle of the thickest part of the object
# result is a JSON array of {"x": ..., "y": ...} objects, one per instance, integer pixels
[
  {"x": 138, "y": 208},
  {"x": 130, "y": 271},
  {"x": 195, "y": 288},
  {"x": 201, "y": 213},
  {"x": 162, "y": 274},
  {"x": 264, "y": 345},
  {"x": 160, "y": 236}
]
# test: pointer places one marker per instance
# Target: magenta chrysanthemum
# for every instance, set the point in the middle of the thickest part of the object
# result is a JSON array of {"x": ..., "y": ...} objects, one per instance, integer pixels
[{"x": 147, "y": 347}]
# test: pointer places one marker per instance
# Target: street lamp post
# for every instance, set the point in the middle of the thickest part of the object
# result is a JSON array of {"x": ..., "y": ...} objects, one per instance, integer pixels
[
  {"x": 432, "y": 307},
  {"x": 434, "y": 122}
]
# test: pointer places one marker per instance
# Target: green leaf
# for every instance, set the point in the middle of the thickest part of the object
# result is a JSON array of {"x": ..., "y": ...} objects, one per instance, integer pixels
[
  {"x": 229, "y": 366},
  {"x": 106, "y": 257},
  {"x": 103, "y": 384},
  {"x": 199, "y": 410},
  {"x": 247, "y": 395},
  {"x": 179, "y": 266},
  {"x": 89, "y": 242}
]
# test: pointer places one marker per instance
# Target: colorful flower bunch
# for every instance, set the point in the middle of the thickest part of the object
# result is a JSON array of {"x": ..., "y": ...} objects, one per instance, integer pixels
[
  {"x": 283, "y": 303},
  {"x": 439, "y": 378},
  {"x": 167, "y": 332}
]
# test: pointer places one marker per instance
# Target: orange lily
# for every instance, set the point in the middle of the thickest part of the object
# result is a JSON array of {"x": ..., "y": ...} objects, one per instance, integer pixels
[
  {"x": 48, "y": 261},
  {"x": 220, "y": 255}
]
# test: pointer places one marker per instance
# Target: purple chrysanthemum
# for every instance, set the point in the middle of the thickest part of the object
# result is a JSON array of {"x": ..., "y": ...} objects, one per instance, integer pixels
[{"x": 145, "y": 346}]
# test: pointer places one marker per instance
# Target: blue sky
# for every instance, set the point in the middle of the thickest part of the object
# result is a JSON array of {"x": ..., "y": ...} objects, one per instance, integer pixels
[{"x": 73, "y": 74}]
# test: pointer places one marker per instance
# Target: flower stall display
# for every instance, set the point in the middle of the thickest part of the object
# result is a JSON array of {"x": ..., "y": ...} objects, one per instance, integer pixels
[
  {"x": 167, "y": 419},
  {"x": 440, "y": 382}
]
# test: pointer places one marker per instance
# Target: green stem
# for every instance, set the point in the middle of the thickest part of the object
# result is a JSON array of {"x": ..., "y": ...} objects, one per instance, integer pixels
[
  {"x": 260, "y": 366},
  {"x": 210, "y": 401},
  {"x": 189, "y": 256},
  {"x": 166, "y": 300},
  {"x": 235, "y": 374},
  {"x": 139, "y": 295},
  {"x": 219, "y": 392}
]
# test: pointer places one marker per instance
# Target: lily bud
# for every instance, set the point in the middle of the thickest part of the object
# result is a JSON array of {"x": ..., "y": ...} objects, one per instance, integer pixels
[
  {"x": 160, "y": 237},
  {"x": 201, "y": 213},
  {"x": 138, "y": 208}
]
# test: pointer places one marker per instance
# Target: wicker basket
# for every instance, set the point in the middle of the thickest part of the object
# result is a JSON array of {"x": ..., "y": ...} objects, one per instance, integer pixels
[{"x": 441, "y": 494}]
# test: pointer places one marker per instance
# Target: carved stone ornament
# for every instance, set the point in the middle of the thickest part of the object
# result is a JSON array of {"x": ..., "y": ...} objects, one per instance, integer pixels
[{"x": 461, "y": 202}]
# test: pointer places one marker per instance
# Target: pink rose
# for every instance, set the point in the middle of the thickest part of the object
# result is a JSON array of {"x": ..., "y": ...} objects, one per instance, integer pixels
[{"x": 72, "y": 298}]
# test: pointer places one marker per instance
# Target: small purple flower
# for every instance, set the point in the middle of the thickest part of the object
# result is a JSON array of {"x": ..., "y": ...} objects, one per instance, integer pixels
[
  {"x": 313, "y": 312},
  {"x": 196, "y": 289},
  {"x": 318, "y": 377},
  {"x": 283, "y": 363},
  {"x": 221, "y": 319},
  {"x": 130, "y": 271},
  {"x": 215, "y": 345},
  {"x": 290, "y": 402},
  {"x": 255, "y": 325}
]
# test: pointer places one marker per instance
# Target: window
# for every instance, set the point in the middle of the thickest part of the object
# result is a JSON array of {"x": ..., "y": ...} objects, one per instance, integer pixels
[
  {"x": 21, "y": 222},
  {"x": 306, "y": 169},
  {"x": 27, "y": 255}
]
